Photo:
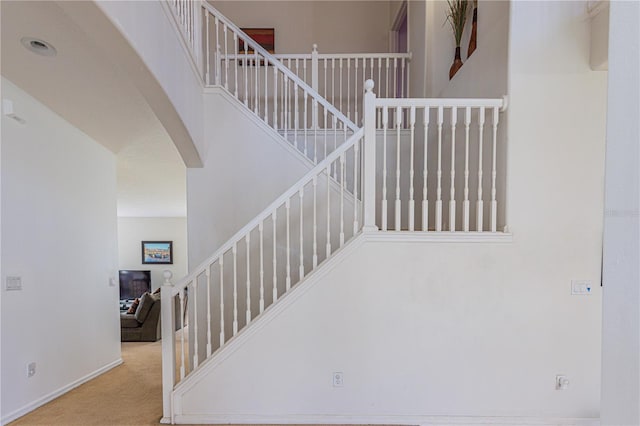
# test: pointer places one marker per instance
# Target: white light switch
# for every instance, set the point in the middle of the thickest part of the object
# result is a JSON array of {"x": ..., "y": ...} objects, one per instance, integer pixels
[
  {"x": 581, "y": 287},
  {"x": 13, "y": 283}
]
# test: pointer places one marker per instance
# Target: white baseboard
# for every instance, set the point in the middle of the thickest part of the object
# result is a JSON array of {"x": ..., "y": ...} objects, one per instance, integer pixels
[
  {"x": 382, "y": 419},
  {"x": 59, "y": 392}
]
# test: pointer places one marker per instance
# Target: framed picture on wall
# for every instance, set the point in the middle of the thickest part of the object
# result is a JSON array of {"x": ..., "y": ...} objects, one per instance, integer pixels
[
  {"x": 157, "y": 252},
  {"x": 265, "y": 37}
]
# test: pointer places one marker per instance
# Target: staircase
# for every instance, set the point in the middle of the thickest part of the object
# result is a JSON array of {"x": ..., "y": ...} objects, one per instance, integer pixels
[{"x": 404, "y": 168}]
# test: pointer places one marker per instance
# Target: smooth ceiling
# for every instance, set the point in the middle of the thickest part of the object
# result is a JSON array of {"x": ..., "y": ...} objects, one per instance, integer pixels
[{"x": 91, "y": 92}]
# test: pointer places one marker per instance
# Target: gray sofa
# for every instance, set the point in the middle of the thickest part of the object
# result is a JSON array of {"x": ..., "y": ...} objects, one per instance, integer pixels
[{"x": 144, "y": 325}]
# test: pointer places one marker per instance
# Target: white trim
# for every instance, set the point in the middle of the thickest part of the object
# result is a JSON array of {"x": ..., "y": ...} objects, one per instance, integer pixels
[
  {"x": 383, "y": 419},
  {"x": 265, "y": 318},
  {"x": 443, "y": 102},
  {"x": 55, "y": 394},
  {"x": 439, "y": 237}
]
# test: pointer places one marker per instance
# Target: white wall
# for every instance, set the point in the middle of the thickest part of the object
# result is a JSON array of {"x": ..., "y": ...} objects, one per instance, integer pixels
[
  {"x": 335, "y": 26},
  {"x": 133, "y": 230},
  {"x": 417, "y": 335},
  {"x": 621, "y": 319},
  {"x": 245, "y": 170},
  {"x": 59, "y": 234}
]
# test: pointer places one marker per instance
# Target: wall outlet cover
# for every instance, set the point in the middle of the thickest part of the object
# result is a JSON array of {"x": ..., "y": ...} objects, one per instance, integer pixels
[{"x": 13, "y": 283}]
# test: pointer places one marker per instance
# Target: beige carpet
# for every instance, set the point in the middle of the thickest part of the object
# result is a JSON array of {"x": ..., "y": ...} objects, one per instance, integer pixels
[{"x": 130, "y": 394}]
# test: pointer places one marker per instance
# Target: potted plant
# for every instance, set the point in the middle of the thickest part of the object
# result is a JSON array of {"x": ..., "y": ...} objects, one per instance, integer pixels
[{"x": 457, "y": 16}]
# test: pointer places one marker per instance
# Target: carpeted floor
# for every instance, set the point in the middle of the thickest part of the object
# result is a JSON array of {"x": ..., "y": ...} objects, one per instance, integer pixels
[{"x": 128, "y": 395}]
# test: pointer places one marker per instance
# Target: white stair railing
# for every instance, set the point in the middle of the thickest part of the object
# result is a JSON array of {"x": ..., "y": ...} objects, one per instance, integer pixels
[
  {"x": 268, "y": 88},
  {"x": 339, "y": 77},
  {"x": 438, "y": 164},
  {"x": 263, "y": 261}
]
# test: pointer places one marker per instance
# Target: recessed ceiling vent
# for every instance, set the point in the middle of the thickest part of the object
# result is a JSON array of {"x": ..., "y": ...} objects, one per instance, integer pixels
[{"x": 38, "y": 46}]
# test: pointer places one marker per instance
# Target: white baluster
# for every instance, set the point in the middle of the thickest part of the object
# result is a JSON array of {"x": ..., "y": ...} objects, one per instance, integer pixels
[
  {"x": 195, "y": 322},
  {"x": 326, "y": 142},
  {"x": 226, "y": 60},
  {"x": 221, "y": 262},
  {"x": 275, "y": 97},
  {"x": 395, "y": 77},
  {"x": 494, "y": 202},
  {"x": 314, "y": 69},
  {"x": 385, "y": 211},
  {"x": 245, "y": 65},
  {"x": 182, "y": 343},
  {"x": 315, "y": 222},
  {"x": 402, "y": 65},
  {"x": 236, "y": 43},
  {"x": 452, "y": 190},
  {"x": 425, "y": 198},
  {"x": 348, "y": 89},
  {"x": 340, "y": 89},
  {"x": 439, "y": 172},
  {"x": 355, "y": 91},
  {"x": 266, "y": 91},
  {"x": 301, "y": 271},
  {"x": 480, "y": 202},
  {"x": 261, "y": 231},
  {"x": 335, "y": 132},
  {"x": 386, "y": 91},
  {"x": 412, "y": 203},
  {"x": 207, "y": 75},
  {"x": 398, "y": 212},
  {"x": 306, "y": 142},
  {"x": 235, "y": 289},
  {"x": 333, "y": 81},
  {"x": 207, "y": 273},
  {"x": 465, "y": 203},
  {"x": 247, "y": 239},
  {"x": 218, "y": 61},
  {"x": 328, "y": 252},
  {"x": 342, "y": 181},
  {"x": 356, "y": 163},
  {"x": 315, "y": 133},
  {"x": 296, "y": 113},
  {"x": 275, "y": 255},
  {"x": 287, "y": 206},
  {"x": 285, "y": 101},
  {"x": 256, "y": 88}
]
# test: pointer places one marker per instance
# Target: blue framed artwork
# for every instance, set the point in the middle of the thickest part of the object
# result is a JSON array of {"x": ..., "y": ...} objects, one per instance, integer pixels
[{"x": 157, "y": 252}]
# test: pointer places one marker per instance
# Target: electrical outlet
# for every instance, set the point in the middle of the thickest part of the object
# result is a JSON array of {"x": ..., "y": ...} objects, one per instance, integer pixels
[
  {"x": 562, "y": 383},
  {"x": 338, "y": 379},
  {"x": 31, "y": 369},
  {"x": 581, "y": 287}
]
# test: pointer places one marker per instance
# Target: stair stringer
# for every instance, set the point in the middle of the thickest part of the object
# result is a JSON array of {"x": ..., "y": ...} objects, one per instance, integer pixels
[{"x": 272, "y": 312}]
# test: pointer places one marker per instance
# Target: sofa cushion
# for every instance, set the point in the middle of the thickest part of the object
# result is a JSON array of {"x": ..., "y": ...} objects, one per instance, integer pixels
[
  {"x": 128, "y": 321},
  {"x": 146, "y": 302},
  {"x": 134, "y": 306}
]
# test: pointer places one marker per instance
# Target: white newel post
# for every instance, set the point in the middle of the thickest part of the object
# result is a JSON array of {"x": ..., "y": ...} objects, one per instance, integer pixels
[
  {"x": 314, "y": 83},
  {"x": 168, "y": 347},
  {"x": 369, "y": 172}
]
